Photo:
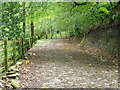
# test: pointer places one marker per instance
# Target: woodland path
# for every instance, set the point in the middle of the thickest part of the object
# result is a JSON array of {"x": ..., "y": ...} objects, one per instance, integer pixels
[{"x": 58, "y": 63}]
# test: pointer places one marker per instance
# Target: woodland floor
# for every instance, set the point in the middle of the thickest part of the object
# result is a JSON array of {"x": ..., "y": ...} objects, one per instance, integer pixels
[{"x": 58, "y": 63}]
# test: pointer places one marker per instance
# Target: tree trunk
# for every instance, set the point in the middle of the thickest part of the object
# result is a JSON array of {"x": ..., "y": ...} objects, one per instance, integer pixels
[
  {"x": 24, "y": 23},
  {"x": 32, "y": 30}
]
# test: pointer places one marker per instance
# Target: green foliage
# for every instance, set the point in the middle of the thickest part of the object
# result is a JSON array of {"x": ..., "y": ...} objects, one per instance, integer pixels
[
  {"x": 117, "y": 16},
  {"x": 52, "y": 17},
  {"x": 11, "y": 19},
  {"x": 74, "y": 20},
  {"x": 103, "y": 10}
]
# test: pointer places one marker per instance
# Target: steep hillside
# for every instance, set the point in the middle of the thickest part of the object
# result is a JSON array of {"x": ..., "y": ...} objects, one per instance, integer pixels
[{"x": 104, "y": 38}]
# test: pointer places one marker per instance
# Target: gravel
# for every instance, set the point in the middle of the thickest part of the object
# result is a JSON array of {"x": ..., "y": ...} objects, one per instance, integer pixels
[{"x": 61, "y": 64}]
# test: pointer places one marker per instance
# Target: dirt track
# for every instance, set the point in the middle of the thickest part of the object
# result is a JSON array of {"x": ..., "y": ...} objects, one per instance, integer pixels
[{"x": 58, "y": 63}]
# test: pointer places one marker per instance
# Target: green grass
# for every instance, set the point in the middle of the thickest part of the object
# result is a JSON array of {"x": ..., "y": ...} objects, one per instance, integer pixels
[{"x": 40, "y": 41}]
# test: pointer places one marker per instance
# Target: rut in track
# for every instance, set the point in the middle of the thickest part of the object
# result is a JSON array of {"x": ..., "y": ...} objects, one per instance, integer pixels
[{"x": 58, "y": 63}]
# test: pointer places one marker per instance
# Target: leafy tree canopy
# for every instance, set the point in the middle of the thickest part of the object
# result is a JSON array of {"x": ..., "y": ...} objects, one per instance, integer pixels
[{"x": 74, "y": 18}]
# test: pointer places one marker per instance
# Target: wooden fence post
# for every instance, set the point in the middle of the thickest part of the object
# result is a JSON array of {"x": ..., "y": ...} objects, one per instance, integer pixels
[
  {"x": 6, "y": 53},
  {"x": 14, "y": 50},
  {"x": 29, "y": 43},
  {"x": 25, "y": 45},
  {"x": 22, "y": 46},
  {"x": 19, "y": 48},
  {"x": 33, "y": 39}
]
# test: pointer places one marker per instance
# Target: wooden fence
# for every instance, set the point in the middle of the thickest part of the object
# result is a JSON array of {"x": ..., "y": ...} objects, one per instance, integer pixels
[{"x": 13, "y": 50}]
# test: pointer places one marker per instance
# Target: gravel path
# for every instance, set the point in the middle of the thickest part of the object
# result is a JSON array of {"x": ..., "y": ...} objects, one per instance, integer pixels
[{"x": 57, "y": 63}]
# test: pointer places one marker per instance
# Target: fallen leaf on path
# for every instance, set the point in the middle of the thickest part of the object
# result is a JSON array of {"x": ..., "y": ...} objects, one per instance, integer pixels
[
  {"x": 90, "y": 64},
  {"x": 33, "y": 54},
  {"x": 44, "y": 87},
  {"x": 66, "y": 48},
  {"x": 27, "y": 61}
]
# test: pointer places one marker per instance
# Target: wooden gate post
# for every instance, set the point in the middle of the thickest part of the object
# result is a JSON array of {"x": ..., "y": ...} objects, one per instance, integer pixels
[
  {"x": 14, "y": 50},
  {"x": 6, "y": 53},
  {"x": 22, "y": 42}
]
